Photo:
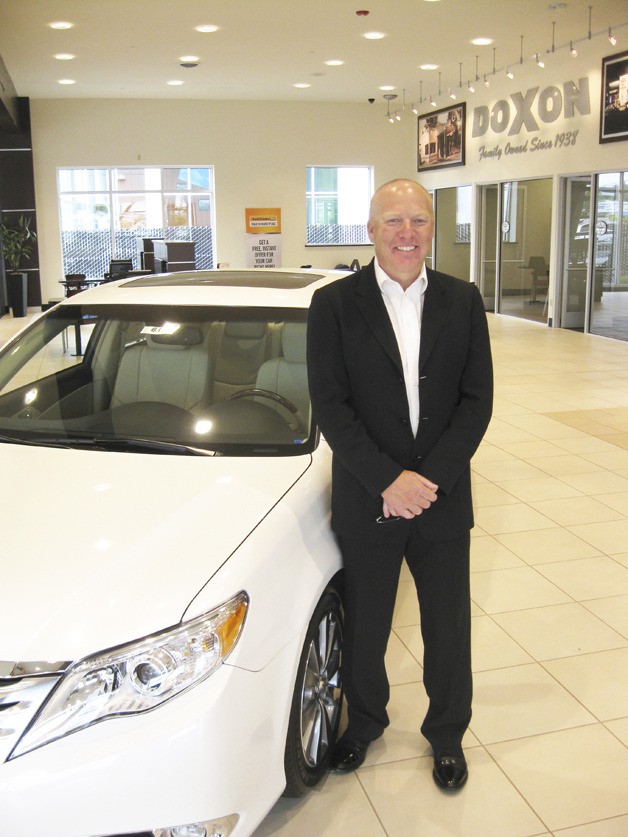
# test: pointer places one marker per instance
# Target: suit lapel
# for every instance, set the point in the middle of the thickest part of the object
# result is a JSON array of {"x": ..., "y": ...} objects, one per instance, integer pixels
[
  {"x": 370, "y": 303},
  {"x": 435, "y": 309}
]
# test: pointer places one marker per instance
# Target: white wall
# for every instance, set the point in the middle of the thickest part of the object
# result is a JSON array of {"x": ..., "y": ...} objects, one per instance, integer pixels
[{"x": 260, "y": 151}]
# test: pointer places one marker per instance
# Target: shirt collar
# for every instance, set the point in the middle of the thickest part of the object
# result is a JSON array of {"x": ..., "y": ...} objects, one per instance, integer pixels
[{"x": 388, "y": 286}]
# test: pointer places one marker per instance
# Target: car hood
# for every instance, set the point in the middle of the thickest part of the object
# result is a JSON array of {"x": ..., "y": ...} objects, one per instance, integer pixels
[{"x": 102, "y": 548}]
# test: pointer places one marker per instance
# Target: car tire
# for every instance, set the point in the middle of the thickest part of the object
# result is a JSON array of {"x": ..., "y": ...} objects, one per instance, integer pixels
[{"x": 317, "y": 699}]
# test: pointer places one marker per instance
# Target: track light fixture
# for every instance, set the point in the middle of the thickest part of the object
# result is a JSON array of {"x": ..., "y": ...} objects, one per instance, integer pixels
[
  {"x": 539, "y": 61},
  {"x": 573, "y": 50},
  {"x": 611, "y": 37},
  {"x": 509, "y": 73}
]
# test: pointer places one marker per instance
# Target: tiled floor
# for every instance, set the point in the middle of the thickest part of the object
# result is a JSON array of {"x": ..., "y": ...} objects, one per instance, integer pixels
[{"x": 548, "y": 743}]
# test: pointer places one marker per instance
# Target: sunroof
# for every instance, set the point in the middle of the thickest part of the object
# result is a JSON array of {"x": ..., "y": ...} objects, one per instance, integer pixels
[{"x": 227, "y": 279}]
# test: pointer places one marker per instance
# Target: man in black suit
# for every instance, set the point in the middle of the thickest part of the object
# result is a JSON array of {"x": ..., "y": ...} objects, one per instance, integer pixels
[{"x": 401, "y": 384}]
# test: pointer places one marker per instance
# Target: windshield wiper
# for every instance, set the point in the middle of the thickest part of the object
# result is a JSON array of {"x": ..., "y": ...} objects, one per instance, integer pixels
[
  {"x": 111, "y": 443},
  {"x": 35, "y": 442},
  {"x": 133, "y": 443}
]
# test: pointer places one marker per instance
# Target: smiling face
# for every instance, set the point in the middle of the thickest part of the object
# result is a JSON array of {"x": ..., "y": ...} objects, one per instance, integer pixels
[{"x": 401, "y": 226}]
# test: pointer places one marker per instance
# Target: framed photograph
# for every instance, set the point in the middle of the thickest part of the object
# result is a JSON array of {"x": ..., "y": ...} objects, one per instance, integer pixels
[
  {"x": 614, "y": 107},
  {"x": 441, "y": 138}
]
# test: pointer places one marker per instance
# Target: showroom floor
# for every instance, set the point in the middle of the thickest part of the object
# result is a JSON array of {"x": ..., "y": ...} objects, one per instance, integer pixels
[{"x": 548, "y": 744}]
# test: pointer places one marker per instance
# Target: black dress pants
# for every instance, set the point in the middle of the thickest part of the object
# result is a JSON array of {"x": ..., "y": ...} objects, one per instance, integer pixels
[{"x": 441, "y": 574}]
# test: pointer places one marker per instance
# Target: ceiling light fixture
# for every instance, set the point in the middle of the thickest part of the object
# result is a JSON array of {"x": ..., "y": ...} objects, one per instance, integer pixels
[
  {"x": 188, "y": 59},
  {"x": 573, "y": 50},
  {"x": 590, "y": 13},
  {"x": 61, "y": 24},
  {"x": 553, "y": 34},
  {"x": 539, "y": 61},
  {"x": 302, "y": 85},
  {"x": 482, "y": 41},
  {"x": 206, "y": 27},
  {"x": 428, "y": 67},
  {"x": 175, "y": 82},
  {"x": 432, "y": 101},
  {"x": 611, "y": 37},
  {"x": 334, "y": 62},
  {"x": 521, "y": 50},
  {"x": 66, "y": 81},
  {"x": 509, "y": 73},
  {"x": 64, "y": 56},
  {"x": 374, "y": 36},
  {"x": 389, "y": 98}
]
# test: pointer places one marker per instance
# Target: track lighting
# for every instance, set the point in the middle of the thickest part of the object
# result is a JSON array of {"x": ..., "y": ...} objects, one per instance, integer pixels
[
  {"x": 611, "y": 37},
  {"x": 573, "y": 50},
  {"x": 509, "y": 73},
  {"x": 432, "y": 101},
  {"x": 539, "y": 61}
]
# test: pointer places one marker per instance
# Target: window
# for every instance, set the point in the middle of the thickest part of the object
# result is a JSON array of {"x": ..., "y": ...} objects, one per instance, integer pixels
[
  {"x": 338, "y": 200},
  {"x": 105, "y": 211}
]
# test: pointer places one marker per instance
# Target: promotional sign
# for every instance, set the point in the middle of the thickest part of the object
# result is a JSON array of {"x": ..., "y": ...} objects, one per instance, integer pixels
[{"x": 263, "y": 233}]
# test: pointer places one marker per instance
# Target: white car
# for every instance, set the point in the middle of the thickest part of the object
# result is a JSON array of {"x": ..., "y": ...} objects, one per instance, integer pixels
[{"x": 170, "y": 589}]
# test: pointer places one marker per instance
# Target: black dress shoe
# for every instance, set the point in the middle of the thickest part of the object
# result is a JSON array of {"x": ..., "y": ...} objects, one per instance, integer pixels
[
  {"x": 348, "y": 755},
  {"x": 450, "y": 772}
]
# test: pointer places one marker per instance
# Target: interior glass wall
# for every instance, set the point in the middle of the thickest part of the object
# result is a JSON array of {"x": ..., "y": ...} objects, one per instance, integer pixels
[
  {"x": 609, "y": 285},
  {"x": 453, "y": 210},
  {"x": 524, "y": 248}
]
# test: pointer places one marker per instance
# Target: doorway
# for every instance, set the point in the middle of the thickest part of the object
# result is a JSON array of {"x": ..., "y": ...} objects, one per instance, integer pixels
[{"x": 524, "y": 252}]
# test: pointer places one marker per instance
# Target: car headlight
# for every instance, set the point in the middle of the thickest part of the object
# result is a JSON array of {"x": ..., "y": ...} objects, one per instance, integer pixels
[{"x": 139, "y": 676}]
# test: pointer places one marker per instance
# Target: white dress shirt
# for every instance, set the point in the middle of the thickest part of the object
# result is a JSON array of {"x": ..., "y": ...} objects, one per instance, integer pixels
[{"x": 405, "y": 309}]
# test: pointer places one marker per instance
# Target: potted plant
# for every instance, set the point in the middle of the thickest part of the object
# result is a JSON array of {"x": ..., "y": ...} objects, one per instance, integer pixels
[{"x": 18, "y": 243}]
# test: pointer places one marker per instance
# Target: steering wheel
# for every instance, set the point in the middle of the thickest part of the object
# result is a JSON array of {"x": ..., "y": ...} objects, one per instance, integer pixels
[{"x": 255, "y": 392}]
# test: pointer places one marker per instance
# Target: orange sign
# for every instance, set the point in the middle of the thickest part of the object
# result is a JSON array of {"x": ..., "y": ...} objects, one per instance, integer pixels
[{"x": 263, "y": 221}]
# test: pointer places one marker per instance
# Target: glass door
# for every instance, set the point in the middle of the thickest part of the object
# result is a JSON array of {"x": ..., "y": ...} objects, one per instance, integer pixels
[
  {"x": 489, "y": 243},
  {"x": 609, "y": 259},
  {"x": 525, "y": 233},
  {"x": 576, "y": 256}
]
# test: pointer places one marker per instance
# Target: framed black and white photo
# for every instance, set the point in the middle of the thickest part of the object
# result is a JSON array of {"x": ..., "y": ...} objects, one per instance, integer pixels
[
  {"x": 614, "y": 106},
  {"x": 441, "y": 138}
]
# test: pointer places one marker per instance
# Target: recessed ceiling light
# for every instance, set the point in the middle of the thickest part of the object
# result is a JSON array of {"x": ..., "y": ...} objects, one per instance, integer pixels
[
  {"x": 188, "y": 58},
  {"x": 61, "y": 24},
  {"x": 175, "y": 82},
  {"x": 334, "y": 62},
  {"x": 482, "y": 41},
  {"x": 66, "y": 81},
  {"x": 387, "y": 87},
  {"x": 301, "y": 85},
  {"x": 374, "y": 36},
  {"x": 206, "y": 27},
  {"x": 428, "y": 67},
  {"x": 64, "y": 56}
]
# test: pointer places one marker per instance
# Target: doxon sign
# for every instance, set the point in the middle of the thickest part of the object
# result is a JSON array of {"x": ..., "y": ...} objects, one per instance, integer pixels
[{"x": 530, "y": 108}]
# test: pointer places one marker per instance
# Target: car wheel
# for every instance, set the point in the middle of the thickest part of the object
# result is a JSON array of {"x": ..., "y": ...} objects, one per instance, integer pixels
[{"x": 317, "y": 699}]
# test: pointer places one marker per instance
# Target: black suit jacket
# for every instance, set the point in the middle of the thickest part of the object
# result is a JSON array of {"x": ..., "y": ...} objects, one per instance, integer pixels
[{"x": 359, "y": 401}]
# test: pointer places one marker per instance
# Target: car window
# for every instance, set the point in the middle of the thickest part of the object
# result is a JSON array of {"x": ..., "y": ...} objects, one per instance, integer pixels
[{"x": 231, "y": 381}]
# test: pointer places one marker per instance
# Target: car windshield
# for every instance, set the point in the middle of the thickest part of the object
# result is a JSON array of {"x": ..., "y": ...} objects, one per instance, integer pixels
[{"x": 164, "y": 379}]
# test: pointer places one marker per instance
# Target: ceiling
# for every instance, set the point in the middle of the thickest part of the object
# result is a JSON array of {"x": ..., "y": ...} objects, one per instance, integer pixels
[{"x": 133, "y": 48}]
